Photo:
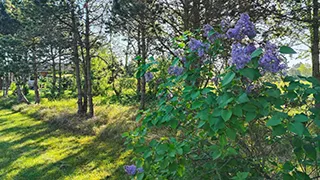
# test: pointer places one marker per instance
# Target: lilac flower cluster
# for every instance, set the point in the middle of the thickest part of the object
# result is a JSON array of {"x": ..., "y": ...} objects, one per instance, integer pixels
[
  {"x": 148, "y": 76},
  {"x": 270, "y": 60},
  {"x": 197, "y": 45},
  {"x": 132, "y": 170},
  {"x": 242, "y": 28},
  {"x": 211, "y": 37},
  {"x": 175, "y": 70},
  {"x": 241, "y": 54}
]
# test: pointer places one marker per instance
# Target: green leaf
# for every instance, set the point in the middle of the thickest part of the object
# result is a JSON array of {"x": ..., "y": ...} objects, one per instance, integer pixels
[
  {"x": 174, "y": 123},
  {"x": 213, "y": 121},
  {"x": 237, "y": 110},
  {"x": 310, "y": 151},
  {"x": 287, "y": 50},
  {"x": 195, "y": 94},
  {"x": 288, "y": 166},
  {"x": 249, "y": 107},
  {"x": 296, "y": 128},
  {"x": 228, "y": 78},
  {"x": 173, "y": 167},
  {"x": 241, "y": 176},
  {"x": 211, "y": 32},
  {"x": 231, "y": 151},
  {"x": 300, "y": 118},
  {"x": 278, "y": 130},
  {"x": 137, "y": 58},
  {"x": 317, "y": 122},
  {"x": 250, "y": 116},
  {"x": 256, "y": 53},
  {"x": 223, "y": 140},
  {"x": 147, "y": 154},
  {"x": 196, "y": 104},
  {"x": 287, "y": 177},
  {"x": 201, "y": 123},
  {"x": 140, "y": 176},
  {"x": 162, "y": 148},
  {"x": 273, "y": 93},
  {"x": 206, "y": 90},
  {"x": 231, "y": 134},
  {"x": 226, "y": 114},
  {"x": 181, "y": 170},
  {"x": 273, "y": 121},
  {"x": 251, "y": 73},
  {"x": 243, "y": 98},
  {"x": 216, "y": 153}
]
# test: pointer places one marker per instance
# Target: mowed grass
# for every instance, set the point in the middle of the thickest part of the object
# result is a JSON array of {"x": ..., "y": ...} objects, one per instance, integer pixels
[{"x": 34, "y": 149}]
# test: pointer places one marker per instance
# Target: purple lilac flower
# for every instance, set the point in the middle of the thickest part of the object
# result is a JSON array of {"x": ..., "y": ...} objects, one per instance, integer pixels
[
  {"x": 130, "y": 169},
  {"x": 243, "y": 27},
  {"x": 270, "y": 60},
  {"x": 235, "y": 33},
  {"x": 239, "y": 56},
  {"x": 249, "y": 88},
  {"x": 207, "y": 28},
  {"x": 250, "y": 48},
  {"x": 183, "y": 60},
  {"x": 175, "y": 70},
  {"x": 197, "y": 45},
  {"x": 140, "y": 170},
  {"x": 148, "y": 76}
]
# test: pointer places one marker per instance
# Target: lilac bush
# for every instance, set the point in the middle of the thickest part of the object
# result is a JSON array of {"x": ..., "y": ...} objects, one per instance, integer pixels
[{"x": 235, "y": 124}]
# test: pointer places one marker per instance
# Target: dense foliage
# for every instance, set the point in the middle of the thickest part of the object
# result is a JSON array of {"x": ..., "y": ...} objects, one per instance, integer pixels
[{"x": 232, "y": 125}]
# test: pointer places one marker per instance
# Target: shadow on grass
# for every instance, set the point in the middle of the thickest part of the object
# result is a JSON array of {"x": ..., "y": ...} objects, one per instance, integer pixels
[{"x": 30, "y": 149}]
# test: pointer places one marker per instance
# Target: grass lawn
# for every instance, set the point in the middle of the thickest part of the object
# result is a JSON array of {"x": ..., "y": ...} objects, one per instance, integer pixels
[{"x": 33, "y": 149}]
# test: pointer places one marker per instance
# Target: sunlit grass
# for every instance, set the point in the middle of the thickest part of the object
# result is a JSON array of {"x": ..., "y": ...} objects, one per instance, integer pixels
[{"x": 33, "y": 149}]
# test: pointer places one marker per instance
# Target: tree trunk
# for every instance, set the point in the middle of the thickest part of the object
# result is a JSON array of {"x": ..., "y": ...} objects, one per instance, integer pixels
[
  {"x": 60, "y": 74},
  {"x": 21, "y": 97},
  {"x": 143, "y": 61},
  {"x": 7, "y": 85},
  {"x": 54, "y": 78},
  {"x": 35, "y": 74},
  {"x": 139, "y": 64},
  {"x": 76, "y": 58},
  {"x": 315, "y": 41},
  {"x": 2, "y": 85},
  {"x": 196, "y": 19},
  {"x": 88, "y": 62}
]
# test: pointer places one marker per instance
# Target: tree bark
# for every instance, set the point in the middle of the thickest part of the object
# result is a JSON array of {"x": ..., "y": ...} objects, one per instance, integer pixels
[
  {"x": 21, "y": 97},
  {"x": 139, "y": 63},
  {"x": 35, "y": 74},
  {"x": 315, "y": 41},
  {"x": 54, "y": 72},
  {"x": 6, "y": 85},
  {"x": 76, "y": 57},
  {"x": 60, "y": 74},
  {"x": 1, "y": 84},
  {"x": 143, "y": 62},
  {"x": 88, "y": 62}
]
